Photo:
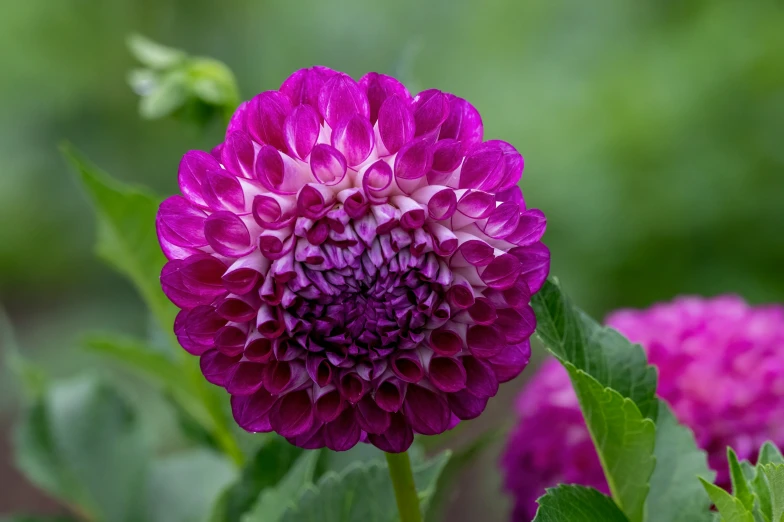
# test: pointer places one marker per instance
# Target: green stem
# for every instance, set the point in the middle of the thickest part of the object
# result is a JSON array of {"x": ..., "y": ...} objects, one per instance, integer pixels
[{"x": 405, "y": 489}]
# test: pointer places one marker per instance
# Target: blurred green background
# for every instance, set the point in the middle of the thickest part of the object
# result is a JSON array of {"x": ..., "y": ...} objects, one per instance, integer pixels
[{"x": 653, "y": 133}]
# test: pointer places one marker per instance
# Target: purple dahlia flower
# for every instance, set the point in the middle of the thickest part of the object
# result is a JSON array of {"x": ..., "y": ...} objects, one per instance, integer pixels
[
  {"x": 354, "y": 263},
  {"x": 721, "y": 369}
]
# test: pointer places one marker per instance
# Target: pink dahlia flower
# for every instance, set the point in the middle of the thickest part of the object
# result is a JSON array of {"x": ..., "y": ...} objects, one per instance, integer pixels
[
  {"x": 721, "y": 369},
  {"x": 354, "y": 263}
]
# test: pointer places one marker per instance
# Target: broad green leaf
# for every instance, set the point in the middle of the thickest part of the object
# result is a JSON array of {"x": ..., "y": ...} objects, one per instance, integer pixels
[
  {"x": 740, "y": 487},
  {"x": 774, "y": 473},
  {"x": 153, "y": 54},
  {"x": 126, "y": 233},
  {"x": 623, "y": 438},
  {"x": 603, "y": 353},
  {"x": 169, "y": 94},
  {"x": 770, "y": 454},
  {"x": 183, "y": 487},
  {"x": 567, "y": 503},
  {"x": 154, "y": 365},
  {"x": 361, "y": 493},
  {"x": 676, "y": 495},
  {"x": 275, "y": 501},
  {"x": 82, "y": 443},
  {"x": 267, "y": 467},
  {"x": 730, "y": 508}
]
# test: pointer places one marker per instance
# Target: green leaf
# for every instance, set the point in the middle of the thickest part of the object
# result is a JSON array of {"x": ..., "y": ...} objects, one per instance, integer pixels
[
  {"x": 169, "y": 95},
  {"x": 268, "y": 467},
  {"x": 184, "y": 487},
  {"x": 730, "y": 508},
  {"x": 577, "y": 504},
  {"x": 607, "y": 356},
  {"x": 126, "y": 233},
  {"x": 32, "y": 378},
  {"x": 153, "y": 54},
  {"x": 740, "y": 488},
  {"x": 623, "y": 438},
  {"x": 774, "y": 473},
  {"x": 82, "y": 443},
  {"x": 275, "y": 501},
  {"x": 769, "y": 454},
  {"x": 361, "y": 493},
  {"x": 675, "y": 495}
]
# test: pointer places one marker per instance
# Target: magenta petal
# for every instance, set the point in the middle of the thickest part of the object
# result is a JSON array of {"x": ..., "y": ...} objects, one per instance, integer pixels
[
  {"x": 414, "y": 160},
  {"x": 342, "y": 433},
  {"x": 247, "y": 379},
  {"x": 302, "y": 129},
  {"x": 223, "y": 192},
  {"x": 464, "y": 123},
  {"x": 480, "y": 378},
  {"x": 340, "y": 98},
  {"x": 397, "y": 439},
  {"x": 484, "y": 341},
  {"x": 193, "y": 172},
  {"x": 427, "y": 411},
  {"x": 227, "y": 234},
  {"x": 313, "y": 438},
  {"x": 502, "y": 272},
  {"x": 530, "y": 228},
  {"x": 251, "y": 412},
  {"x": 353, "y": 137},
  {"x": 266, "y": 118},
  {"x": 181, "y": 223},
  {"x": 352, "y": 387},
  {"x": 447, "y": 374},
  {"x": 379, "y": 87},
  {"x": 503, "y": 221},
  {"x": 446, "y": 342},
  {"x": 303, "y": 86},
  {"x": 328, "y": 164},
  {"x": 509, "y": 362},
  {"x": 292, "y": 415},
  {"x": 483, "y": 168},
  {"x": 516, "y": 325},
  {"x": 237, "y": 122},
  {"x": 196, "y": 328},
  {"x": 238, "y": 154},
  {"x": 217, "y": 367},
  {"x": 431, "y": 109},
  {"x": 395, "y": 123},
  {"x": 230, "y": 340},
  {"x": 534, "y": 264},
  {"x": 466, "y": 406},
  {"x": 389, "y": 395},
  {"x": 513, "y": 166},
  {"x": 447, "y": 155},
  {"x": 328, "y": 406},
  {"x": 370, "y": 417},
  {"x": 407, "y": 366}
]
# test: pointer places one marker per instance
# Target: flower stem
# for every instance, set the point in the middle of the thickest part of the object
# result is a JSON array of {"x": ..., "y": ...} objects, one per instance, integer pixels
[{"x": 405, "y": 490}]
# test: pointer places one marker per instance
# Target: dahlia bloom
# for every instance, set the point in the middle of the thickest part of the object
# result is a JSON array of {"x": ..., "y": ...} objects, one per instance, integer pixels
[
  {"x": 721, "y": 369},
  {"x": 353, "y": 263}
]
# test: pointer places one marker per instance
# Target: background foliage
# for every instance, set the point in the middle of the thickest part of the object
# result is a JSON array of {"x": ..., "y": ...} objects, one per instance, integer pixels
[{"x": 651, "y": 130}]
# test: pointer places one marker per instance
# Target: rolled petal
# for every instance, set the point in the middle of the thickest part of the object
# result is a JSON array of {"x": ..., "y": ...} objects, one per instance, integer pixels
[
  {"x": 304, "y": 86},
  {"x": 342, "y": 433},
  {"x": 427, "y": 411},
  {"x": 397, "y": 439},
  {"x": 217, "y": 367},
  {"x": 227, "y": 234},
  {"x": 251, "y": 412},
  {"x": 292, "y": 414},
  {"x": 340, "y": 98},
  {"x": 238, "y": 154},
  {"x": 464, "y": 124},
  {"x": 266, "y": 118},
  {"x": 192, "y": 173},
  {"x": 431, "y": 109},
  {"x": 302, "y": 129},
  {"x": 328, "y": 164},
  {"x": 380, "y": 87},
  {"x": 370, "y": 417},
  {"x": 353, "y": 137},
  {"x": 395, "y": 123}
]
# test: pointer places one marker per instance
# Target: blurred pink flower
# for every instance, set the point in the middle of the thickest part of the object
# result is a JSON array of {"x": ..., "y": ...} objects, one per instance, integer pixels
[{"x": 721, "y": 368}]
